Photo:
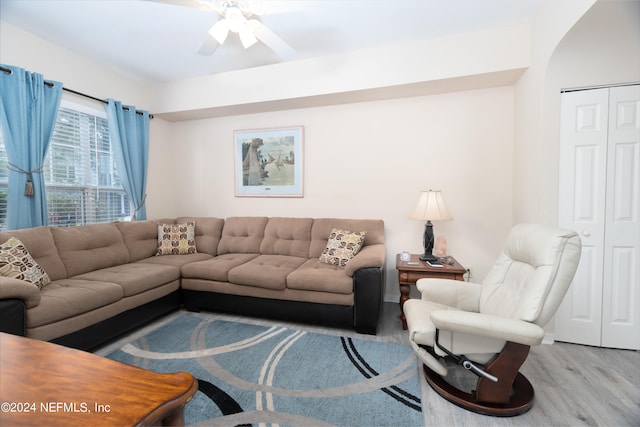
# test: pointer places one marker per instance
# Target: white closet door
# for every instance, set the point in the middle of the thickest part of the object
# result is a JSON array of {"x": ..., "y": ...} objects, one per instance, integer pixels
[
  {"x": 621, "y": 279},
  {"x": 581, "y": 207},
  {"x": 599, "y": 192}
]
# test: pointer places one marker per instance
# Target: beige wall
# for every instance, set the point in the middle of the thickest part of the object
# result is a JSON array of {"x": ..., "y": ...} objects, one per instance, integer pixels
[
  {"x": 362, "y": 160},
  {"x": 23, "y": 49},
  {"x": 533, "y": 182}
]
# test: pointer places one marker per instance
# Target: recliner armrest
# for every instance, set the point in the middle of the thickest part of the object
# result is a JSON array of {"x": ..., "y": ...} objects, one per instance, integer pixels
[
  {"x": 453, "y": 293},
  {"x": 514, "y": 330}
]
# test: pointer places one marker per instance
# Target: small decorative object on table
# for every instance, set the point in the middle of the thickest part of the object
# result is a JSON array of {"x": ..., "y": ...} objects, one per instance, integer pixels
[{"x": 441, "y": 246}]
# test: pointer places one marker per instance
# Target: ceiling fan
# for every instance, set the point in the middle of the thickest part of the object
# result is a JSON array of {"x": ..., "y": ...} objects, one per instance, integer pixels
[{"x": 237, "y": 17}]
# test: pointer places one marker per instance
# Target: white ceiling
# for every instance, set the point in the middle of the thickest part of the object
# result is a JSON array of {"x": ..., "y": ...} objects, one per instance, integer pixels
[{"x": 156, "y": 42}]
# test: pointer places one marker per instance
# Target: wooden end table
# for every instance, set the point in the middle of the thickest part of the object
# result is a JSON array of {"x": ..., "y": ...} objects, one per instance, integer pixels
[
  {"x": 410, "y": 271},
  {"x": 47, "y": 384}
]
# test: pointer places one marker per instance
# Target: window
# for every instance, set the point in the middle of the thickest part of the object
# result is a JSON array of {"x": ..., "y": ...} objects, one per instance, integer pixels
[{"x": 80, "y": 175}]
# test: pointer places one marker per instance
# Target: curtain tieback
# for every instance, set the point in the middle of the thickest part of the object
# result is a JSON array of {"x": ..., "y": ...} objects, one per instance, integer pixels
[
  {"x": 144, "y": 199},
  {"x": 28, "y": 187}
]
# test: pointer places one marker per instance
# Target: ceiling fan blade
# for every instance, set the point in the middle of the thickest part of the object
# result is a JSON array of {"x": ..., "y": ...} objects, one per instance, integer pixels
[
  {"x": 247, "y": 38},
  {"x": 209, "y": 46},
  {"x": 273, "y": 41},
  {"x": 220, "y": 31}
]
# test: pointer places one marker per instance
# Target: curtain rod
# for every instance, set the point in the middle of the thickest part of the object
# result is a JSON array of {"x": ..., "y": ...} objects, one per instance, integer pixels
[{"x": 50, "y": 84}]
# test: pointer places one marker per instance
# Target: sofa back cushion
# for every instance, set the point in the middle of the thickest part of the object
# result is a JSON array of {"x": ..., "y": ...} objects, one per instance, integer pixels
[
  {"x": 322, "y": 229},
  {"x": 140, "y": 237},
  {"x": 87, "y": 248},
  {"x": 208, "y": 233},
  {"x": 287, "y": 236},
  {"x": 39, "y": 242},
  {"x": 242, "y": 235}
]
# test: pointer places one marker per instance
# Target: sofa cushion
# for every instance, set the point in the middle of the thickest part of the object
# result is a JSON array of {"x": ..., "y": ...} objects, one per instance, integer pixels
[
  {"x": 16, "y": 262},
  {"x": 342, "y": 246},
  {"x": 322, "y": 228},
  {"x": 85, "y": 248},
  {"x": 208, "y": 233},
  {"x": 134, "y": 278},
  {"x": 69, "y": 297},
  {"x": 287, "y": 236},
  {"x": 176, "y": 239},
  {"x": 242, "y": 235},
  {"x": 320, "y": 277},
  {"x": 215, "y": 268},
  {"x": 140, "y": 237},
  {"x": 40, "y": 244},
  {"x": 266, "y": 271}
]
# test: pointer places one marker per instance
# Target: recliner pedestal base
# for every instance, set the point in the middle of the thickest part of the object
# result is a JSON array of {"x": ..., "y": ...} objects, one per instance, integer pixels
[
  {"x": 519, "y": 404},
  {"x": 511, "y": 395}
]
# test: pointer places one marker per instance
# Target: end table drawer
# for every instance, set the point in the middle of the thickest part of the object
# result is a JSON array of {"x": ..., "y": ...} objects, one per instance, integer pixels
[{"x": 411, "y": 277}]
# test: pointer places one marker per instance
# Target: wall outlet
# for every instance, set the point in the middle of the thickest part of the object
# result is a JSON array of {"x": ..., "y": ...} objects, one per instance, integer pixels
[{"x": 469, "y": 274}]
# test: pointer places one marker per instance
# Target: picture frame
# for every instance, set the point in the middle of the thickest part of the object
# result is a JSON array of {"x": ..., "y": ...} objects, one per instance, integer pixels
[{"x": 269, "y": 162}]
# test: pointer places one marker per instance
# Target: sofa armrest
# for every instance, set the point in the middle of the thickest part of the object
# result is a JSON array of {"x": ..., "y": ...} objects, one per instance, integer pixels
[
  {"x": 368, "y": 289},
  {"x": 13, "y": 317},
  {"x": 368, "y": 256},
  {"x": 11, "y": 288}
]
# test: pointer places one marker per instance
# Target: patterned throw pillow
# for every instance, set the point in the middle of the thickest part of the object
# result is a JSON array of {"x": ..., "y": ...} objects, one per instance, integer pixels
[
  {"x": 176, "y": 239},
  {"x": 16, "y": 262},
  {"x": 341, "y": 247}
]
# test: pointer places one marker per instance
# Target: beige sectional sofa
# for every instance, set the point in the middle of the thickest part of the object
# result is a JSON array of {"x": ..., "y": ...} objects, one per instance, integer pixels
[{"x": 107, "y": 279}]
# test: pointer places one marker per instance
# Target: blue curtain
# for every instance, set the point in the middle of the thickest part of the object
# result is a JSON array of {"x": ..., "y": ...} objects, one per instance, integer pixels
[
  {"x": 28, "y": 110},
  {"x": 129, "y": 131}
]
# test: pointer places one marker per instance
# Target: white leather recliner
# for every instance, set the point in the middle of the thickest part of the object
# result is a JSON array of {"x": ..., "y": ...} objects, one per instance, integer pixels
[{"x": 488, "y": 328}]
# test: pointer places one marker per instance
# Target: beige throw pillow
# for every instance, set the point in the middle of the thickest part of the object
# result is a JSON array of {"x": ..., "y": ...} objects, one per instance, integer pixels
[
  {"x": 342, "y": 246},
  {"x": 176, "y": 239},
  {"x": 16, "y": 262}
]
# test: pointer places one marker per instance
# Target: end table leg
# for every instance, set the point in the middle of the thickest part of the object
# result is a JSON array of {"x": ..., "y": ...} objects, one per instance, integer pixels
[{"x": 404, "y": 295}]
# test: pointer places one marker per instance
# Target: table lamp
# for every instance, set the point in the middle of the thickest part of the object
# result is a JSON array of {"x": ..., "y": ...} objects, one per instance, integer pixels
[{"x": 430, "y": 207}]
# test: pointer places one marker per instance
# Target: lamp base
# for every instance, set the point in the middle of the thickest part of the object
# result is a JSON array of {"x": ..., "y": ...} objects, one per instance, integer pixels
[{"x": 428, "y": 257}]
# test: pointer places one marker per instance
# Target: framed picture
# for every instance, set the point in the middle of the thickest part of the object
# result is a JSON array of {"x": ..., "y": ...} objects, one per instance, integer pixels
[{"x": 269, "y": 162}]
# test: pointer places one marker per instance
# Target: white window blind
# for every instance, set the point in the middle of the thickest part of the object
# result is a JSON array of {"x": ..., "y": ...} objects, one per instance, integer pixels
[{"x": 79, "y": 171}]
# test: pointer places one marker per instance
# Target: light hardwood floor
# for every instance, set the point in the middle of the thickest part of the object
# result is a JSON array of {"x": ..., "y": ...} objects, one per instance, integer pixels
[{"x": 575, "y": 385}]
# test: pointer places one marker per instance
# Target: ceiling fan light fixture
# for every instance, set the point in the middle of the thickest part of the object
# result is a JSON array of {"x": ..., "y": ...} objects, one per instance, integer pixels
[{"x": 235, "y": 19}]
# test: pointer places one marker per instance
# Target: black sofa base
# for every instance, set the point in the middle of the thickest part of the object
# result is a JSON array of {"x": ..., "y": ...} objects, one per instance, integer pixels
[
  {"x": 363, "y": 316},
  {"x": 13, "y": 318},
  {"x": 294, "y": 311},
  {"x": 101, "y": 333}
]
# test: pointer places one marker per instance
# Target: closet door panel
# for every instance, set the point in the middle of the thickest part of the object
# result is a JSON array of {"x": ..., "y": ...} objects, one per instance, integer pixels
[
  {"x": 621, "y": 285},
  {"x": 583, "y": 155}
]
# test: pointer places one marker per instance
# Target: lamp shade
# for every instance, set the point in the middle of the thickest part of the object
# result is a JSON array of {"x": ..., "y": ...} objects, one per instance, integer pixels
[{"x": 431, "y": 207}]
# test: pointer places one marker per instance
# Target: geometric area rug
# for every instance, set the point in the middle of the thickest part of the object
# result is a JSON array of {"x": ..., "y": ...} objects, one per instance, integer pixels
[{"x": 251, "y": 374}]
